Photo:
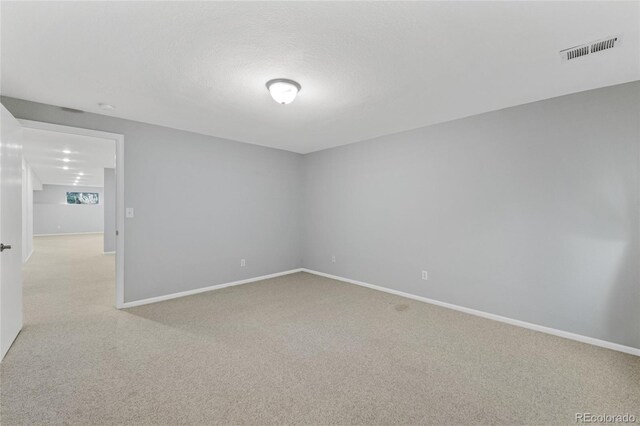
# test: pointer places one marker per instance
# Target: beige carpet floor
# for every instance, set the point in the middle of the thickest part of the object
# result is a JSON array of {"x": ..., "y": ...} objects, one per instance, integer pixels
[{"x": 299, "y": 349}]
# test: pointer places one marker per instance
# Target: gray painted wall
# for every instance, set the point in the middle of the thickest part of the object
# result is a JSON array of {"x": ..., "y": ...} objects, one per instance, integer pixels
[
  {"x": 201, "y": 204},
  {"x": 109, "y": 210},
  {"x": 528, "y": 212},
  {"x": 52, "y": 214}
]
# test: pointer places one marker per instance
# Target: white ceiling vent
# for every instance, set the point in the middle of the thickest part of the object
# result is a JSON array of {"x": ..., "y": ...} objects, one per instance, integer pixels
[{"x": 589, "y": 48}]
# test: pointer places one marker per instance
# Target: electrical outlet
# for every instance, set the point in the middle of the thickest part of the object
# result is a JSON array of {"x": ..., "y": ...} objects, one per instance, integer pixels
[
  {"x": 425, "y": 276},
  {"x": 243, "y": 262},
  {"x": 333, "y": 259}
]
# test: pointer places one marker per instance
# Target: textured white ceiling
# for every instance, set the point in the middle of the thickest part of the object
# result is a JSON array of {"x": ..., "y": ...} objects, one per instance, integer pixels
[
  {"x": 44, "y": 151},
  {"x": 366, "y": 68}
]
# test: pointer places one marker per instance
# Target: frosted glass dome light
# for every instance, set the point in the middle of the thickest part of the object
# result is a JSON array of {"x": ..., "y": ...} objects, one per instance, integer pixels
[{"x": 283, "y": 91}]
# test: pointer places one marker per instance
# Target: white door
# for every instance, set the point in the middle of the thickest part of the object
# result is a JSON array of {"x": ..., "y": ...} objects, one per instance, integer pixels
[{"x": 10, "y": 230}]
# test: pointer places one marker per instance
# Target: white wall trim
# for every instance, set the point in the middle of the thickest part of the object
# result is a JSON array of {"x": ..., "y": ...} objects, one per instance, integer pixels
[
  {"x": 108, "y": 252},
  {"x": 205, "y": 289},
  {"x": 567, "y": 335},
  {"x": 67, "y": 233},
  {"x": 119, "y": 141},
  {"x": 28, "y": 257}
]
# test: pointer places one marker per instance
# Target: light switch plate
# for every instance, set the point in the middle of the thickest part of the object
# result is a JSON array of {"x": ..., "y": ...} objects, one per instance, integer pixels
[{"x": 129, "y": 212}]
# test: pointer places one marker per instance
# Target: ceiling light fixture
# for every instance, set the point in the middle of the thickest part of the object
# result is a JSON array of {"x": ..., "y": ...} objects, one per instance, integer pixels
[
  {"x": 66, "y": 160},
  {"x": 80, "y": 173},
  {"x": 107, "y": 107},
  {"x": 65, "y": 167},
  {"x": 66, "y": 151},
  {"x": 282, "y": 90}
]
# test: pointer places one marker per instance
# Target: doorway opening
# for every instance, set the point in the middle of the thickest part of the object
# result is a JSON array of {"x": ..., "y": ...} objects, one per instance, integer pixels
[{"x": 73, "y": 198}]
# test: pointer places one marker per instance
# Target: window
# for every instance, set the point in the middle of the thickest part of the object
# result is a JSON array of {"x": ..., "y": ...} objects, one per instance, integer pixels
[{"x": 83, "y": 197}]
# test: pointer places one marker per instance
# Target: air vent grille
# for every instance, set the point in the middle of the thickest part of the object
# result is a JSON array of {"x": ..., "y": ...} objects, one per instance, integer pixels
[
  {"x": 576, "y": 53},
  {"x": 590, "y": 48},
  {"x": 602, "y": 45}
]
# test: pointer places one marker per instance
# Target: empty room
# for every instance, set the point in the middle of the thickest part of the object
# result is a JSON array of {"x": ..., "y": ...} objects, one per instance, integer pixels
[{"x": 310, "y": 213}]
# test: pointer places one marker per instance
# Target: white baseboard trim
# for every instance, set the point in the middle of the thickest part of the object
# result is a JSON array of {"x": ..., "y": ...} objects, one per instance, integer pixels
[
  {"x": 204, "y": 289},
  {"x": 28, "y": 257},
  {"x": 108, "y": 252},
  {"x": 567, "y": 335},
  {"x": 67, "y": 233}
]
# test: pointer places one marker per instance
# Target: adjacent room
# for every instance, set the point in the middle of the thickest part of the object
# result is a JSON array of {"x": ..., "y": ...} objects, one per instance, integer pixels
[
  {"x": 68, "y": 217},
  {"x": 319, "y": 213}
]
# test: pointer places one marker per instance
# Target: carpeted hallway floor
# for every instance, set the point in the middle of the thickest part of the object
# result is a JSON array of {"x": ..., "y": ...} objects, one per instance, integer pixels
[{"x": 299, "y": 349}]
